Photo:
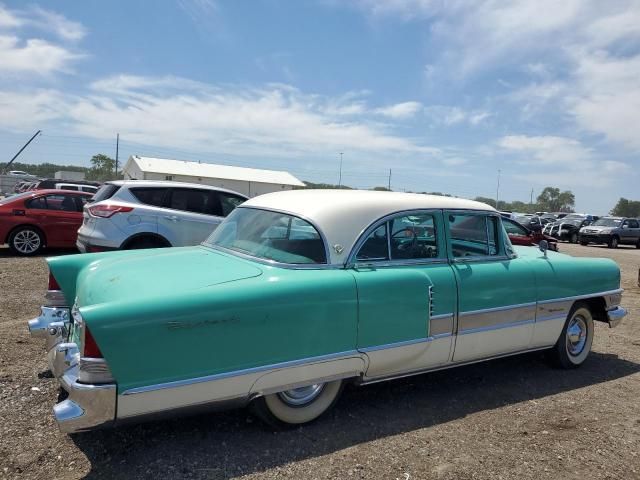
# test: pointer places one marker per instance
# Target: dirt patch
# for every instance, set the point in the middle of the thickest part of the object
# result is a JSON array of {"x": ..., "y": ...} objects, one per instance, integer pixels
[{"x": 511, "y": 418}]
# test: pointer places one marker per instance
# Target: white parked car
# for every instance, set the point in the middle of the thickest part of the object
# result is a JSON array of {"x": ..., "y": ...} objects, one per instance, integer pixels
[
  {"x": 77, "y": 187},
  {"x": 129, "y": 214}
]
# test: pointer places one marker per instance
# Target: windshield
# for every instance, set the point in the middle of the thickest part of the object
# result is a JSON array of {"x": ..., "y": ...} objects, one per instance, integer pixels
[
  {"x": 573, "y": 221},
  {"x": 271, "y": 236},
  {"x": 608, "y": 222}
]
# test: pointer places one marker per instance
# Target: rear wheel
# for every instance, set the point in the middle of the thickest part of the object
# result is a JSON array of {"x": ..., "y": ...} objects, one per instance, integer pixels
[
  {"x": 26, "y": 241},
  {"x": 613, "y": 242},
  {"x": 297, "y": 406},
  {"x": 574, "y": 344},
  {"x": 145, "y": 242},
  {"x": 584, "y": 244},
  {"x": 573, "y": 238}
]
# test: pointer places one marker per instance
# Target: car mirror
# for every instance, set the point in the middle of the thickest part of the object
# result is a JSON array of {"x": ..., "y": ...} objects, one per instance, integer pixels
[
  {"x": 625, "y": 226},
  {"x": 543, "y": 246}
]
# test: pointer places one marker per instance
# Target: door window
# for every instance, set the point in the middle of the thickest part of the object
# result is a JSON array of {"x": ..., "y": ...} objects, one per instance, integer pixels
[
  {"x": 197, "y": 201},
  {"x": 473, "y": 235},
  {"x": 65, "y": 203},
  {"x": 634, "y": 224},
  {"x": 406, "y": 237}
]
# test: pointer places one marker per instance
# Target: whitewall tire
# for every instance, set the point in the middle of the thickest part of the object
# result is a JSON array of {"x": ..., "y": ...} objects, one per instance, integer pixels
[{"x": 574, "y": 345}]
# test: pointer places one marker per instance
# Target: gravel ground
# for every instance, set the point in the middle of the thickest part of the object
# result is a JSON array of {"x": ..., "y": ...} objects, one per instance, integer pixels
[{"x": 509, "y": 418}]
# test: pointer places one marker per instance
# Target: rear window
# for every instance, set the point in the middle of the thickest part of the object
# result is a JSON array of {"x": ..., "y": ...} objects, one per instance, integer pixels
[
  {"x": 107, "y": 191},
  {"x": 150, "y": 196}
]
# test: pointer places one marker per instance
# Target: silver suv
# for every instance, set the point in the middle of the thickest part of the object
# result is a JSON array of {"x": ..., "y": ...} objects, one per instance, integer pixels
[
  {"x": 130, "y": 214},
  {"x": 613, "y": 231}
]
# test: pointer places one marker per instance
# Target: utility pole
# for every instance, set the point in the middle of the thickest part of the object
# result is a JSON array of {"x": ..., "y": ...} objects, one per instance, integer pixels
[
  {"x": 389, "y": 186},
  {"x": 340, "y": 175},
  {"x": 23, "y": 147},
  {"x": 498, "y": 192},
  {"x": 531, "y": 198},
  {"x": 117, "y": 148}
]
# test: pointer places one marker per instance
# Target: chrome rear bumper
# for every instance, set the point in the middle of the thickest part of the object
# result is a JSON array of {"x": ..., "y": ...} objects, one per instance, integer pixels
[
  {"x": 88, "y": 406},
  {"x": 615, "y": 316}
]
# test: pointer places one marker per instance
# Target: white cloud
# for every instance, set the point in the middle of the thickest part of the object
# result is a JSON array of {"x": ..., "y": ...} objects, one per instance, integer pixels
[
  {"x": 179, "y": 113},
  {"x": 400, "y": 110},
  {"x": 24, "y": 111},
  {"x": 33, "y": 56},
  {"x": 8, "y": 19},
  {"x": 573, "y": 164},
  {"x": 56, "y": 23},
  {"x": 450, "y": 116}
]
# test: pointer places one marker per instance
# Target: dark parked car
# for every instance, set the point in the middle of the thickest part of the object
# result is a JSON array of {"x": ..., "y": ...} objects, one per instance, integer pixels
[
  {"x": 521, "y": 235},
  {"x": 612, "y": 231},
  {"x": 531, "y": 222},
  {"x": 568, "y": 228}
]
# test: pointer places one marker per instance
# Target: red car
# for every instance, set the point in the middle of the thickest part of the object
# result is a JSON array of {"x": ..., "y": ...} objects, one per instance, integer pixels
[
  {"x": 520, "y": 235},
  {"x": 33, "y": 220}
]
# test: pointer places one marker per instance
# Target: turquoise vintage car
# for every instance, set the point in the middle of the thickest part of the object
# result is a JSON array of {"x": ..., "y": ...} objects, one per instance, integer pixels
[{"x": 297, "y": 293}]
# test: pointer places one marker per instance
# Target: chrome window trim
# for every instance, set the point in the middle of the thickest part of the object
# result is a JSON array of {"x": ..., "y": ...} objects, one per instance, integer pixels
[
  {"x": 397, "y": 263},
  {"x": 364, "y": 234},
  {"x": 235, "y": 373},
  {"x": 301, "y": 266},
  {"x": 581, "y": 297},
  {"x": 498, "y": 326},
  {"x": 485, "y": 258}
]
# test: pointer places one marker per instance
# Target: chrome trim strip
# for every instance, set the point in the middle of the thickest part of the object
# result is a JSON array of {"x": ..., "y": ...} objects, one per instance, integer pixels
[
  {"x": 496, "y": 327},
  {"x": 580, "y": 297},
  {"x": 481, "y": 258},
  {"x": 496, "y": 309},
  {"x": 441, "y": 316},
  {"x": 235, "y": 373},
  {"x": 447, "y": 366},
  {"x": 405, "y": 343},
  {"x": 550, "y": 317}
]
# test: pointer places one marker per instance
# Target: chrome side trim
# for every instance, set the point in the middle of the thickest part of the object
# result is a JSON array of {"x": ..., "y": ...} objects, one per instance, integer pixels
[
  {"x": 550, "y": 318},
  {"x": 445, "y": 367},
  {"x": 441, "y": 324},
  {"x": 396, "y": 344},
  {"x": 235, "y": 373},
  {"x": 496, "y": 327},
  {"x": 481, "y": 258},
  {"x": 581, "y": 297},
  {"x": 497, "y": 309}
]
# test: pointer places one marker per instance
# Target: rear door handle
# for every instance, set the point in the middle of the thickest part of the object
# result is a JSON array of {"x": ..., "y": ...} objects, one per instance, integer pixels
[{"x": 173, "y": 218}]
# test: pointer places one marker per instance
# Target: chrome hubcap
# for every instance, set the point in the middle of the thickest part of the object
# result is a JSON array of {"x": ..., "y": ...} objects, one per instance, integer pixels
[
  {"x": 576, "y": 335},
  {"x": 26, "y": 241},
  {"x": 301, "y": 396}
]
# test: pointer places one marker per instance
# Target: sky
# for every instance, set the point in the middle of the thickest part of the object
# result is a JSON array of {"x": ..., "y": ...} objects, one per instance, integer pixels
[{"x": 453, "y": 96}]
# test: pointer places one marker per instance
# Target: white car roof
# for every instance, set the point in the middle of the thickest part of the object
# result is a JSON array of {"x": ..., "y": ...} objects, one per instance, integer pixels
[
  {"x": 169, "y": 183},
  {"x": 342, "y": 215}
]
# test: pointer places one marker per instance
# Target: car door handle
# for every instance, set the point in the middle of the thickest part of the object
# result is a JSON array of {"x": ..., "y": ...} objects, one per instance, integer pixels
[{"x": 173, "y": 218}]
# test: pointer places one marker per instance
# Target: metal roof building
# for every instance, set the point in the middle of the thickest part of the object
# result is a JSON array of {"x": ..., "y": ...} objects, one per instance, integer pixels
[{"x": 249, "y": 181}]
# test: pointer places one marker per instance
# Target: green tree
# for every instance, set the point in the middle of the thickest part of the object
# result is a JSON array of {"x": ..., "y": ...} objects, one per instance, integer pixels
[
  {"x": 102, "y": 168},
  {"x": 487, "y": 200},
  {"x": 626, "y": 208},
  {"x": 381, "y": 189},
  {"x": 551, "y": 199}
]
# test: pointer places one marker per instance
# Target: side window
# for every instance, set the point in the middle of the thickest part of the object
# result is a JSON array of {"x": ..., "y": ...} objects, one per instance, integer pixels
[
  {"x": 150, "y": 196},
  {"x": 81, "y": 201},
  {"x": 513, "y": 228},
  {"x": 69, "y": 187},
  {"x": 197, "y": 201},
  {"x": 634, "y": 224},
  {"x": 473, "y": 235},
  {"x": 229, "y": 202},
  {"x": 39, "y": 203},
  {"x": 376, "y": 246},
  {"x": 413, "y": 237}
]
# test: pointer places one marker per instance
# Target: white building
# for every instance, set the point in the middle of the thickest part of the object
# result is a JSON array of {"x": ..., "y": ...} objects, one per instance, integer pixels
[{"x": 249, "y": 181}]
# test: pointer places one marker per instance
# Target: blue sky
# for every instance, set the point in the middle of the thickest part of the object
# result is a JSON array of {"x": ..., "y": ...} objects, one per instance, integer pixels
[{"x": 444, "y": 94}]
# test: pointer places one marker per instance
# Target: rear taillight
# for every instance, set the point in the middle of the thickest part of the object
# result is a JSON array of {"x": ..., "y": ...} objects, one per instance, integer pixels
[
  {"x": 53, "y": 283},
  {"x": 108, "y": 210},
  {"x": 54, "y": 296},
  {"x": 90, "y": 348}
]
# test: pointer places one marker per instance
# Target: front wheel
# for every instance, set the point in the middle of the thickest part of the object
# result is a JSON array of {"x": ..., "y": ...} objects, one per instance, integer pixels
[
  {"x": 297, "y": 406},
  {"x": 573, "y": 238},
  {"x": 613, "y": 243},
  {"x": 574, "y": 344}
]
